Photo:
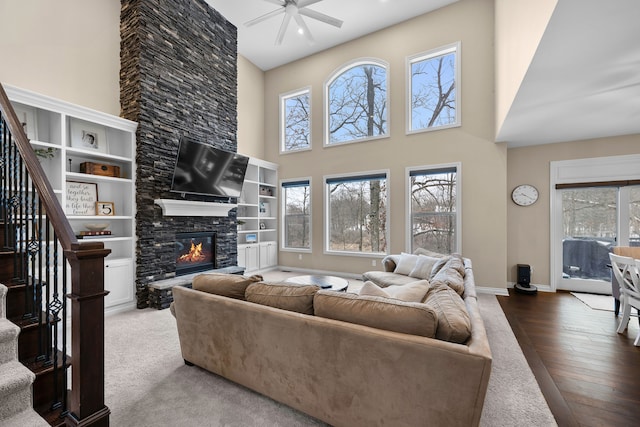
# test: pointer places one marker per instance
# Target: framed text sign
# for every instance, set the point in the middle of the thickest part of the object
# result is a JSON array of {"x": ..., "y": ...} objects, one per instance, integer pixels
[{"x": 81, "y": 198}]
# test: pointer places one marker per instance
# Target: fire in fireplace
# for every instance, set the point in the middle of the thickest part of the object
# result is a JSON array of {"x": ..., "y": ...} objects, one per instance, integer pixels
[{"x": 195, "y": 252}]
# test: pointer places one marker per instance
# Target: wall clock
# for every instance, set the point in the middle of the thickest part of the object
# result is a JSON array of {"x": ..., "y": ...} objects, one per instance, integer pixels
[{"x": 524, "y": 195}]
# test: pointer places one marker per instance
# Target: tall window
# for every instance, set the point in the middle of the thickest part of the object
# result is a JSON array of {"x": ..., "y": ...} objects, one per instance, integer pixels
[
  {"x": 357, "y": 213},
  {"x": 433, "y": 89},
  {"x": 296, "y": 199},
  {"x": 356, "y": 98},
  {"x": 295, "y": 121},
  {"x": 433, "y": 207}
]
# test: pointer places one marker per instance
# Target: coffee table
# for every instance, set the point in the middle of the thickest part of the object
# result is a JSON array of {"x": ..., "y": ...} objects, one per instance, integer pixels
[{"x": 332, "y": 283}]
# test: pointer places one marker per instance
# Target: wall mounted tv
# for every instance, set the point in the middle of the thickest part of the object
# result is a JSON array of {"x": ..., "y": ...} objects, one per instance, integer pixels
[{"x": 206, "y": 170}]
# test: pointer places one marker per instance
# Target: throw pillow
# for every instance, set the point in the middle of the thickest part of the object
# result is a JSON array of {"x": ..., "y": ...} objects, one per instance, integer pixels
[
  {"x": 227, "y": 285},
  {"x": 406, "y": 264},
  {"x": 411, "y": 292},
  {"x": 451, "y": 274},
  {"x": 454, "y": 323},
  {"x": 424, "y": 266},
  {"x": 377, "y": 312},
  {"x": 298, "y": 298}
]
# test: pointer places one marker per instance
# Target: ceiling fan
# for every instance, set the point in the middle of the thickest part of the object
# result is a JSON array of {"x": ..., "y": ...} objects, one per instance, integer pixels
[{"x": 295, "y": 8}]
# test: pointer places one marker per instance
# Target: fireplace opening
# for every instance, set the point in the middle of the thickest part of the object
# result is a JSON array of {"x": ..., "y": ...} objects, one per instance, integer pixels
[{"x": 195, "y": 252}]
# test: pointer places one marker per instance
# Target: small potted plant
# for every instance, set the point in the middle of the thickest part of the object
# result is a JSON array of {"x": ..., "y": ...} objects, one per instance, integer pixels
[{"x": 241, "y": 224}]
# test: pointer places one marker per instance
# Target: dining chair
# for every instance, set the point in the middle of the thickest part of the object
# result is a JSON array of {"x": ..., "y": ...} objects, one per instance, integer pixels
[{"x": 626, "y": 271}]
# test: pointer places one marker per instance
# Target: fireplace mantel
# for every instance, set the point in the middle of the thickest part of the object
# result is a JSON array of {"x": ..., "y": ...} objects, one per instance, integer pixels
[{"x": 172, "y": 207}]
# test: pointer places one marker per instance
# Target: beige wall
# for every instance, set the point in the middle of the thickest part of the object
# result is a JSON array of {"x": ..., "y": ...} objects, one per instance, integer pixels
[
  {"x": 519, "y": 28},
  {"x": 250, "y": 109},
  {"x": 67, "y": 49},
  {"x": 483, "y": 162},
  {"x": 529, "y": 227}
]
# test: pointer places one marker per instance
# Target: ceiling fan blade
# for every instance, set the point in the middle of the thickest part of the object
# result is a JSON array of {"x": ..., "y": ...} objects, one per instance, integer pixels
[
  {"x": 283, "y": 28},
  {"x": 321, "y": 17},
  {"x": 304, "y": 27},
  {"x": 305, "y": 3},
  {"x": 278, "y": 2},
  {"x": 263, "y": 17}
]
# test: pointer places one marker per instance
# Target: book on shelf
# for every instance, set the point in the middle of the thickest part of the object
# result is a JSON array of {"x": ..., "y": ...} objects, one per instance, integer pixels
[
  {"x": 95, "y": 233},
  {"x": 98, "y": 237}
]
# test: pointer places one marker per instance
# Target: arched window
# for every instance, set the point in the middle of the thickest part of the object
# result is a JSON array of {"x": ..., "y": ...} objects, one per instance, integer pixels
[{"x": 356, "y": 102}]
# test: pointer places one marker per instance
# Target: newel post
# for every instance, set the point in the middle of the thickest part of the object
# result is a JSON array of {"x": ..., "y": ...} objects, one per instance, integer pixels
[{"x": 86, "y": 402}]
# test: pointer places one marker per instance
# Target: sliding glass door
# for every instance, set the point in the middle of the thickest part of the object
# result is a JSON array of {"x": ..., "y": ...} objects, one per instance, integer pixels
[{"x": 594, "y": 220}]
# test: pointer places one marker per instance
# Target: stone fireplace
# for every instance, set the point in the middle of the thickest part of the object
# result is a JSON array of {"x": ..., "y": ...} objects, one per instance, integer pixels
[
  {"x": 178, "y": 77},
  {"x": 195, "y": 252}
]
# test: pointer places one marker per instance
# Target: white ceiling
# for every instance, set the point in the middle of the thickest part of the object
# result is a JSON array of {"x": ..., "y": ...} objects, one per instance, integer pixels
[
  {"x": 361, "y": 17},
  {"x": 583, "y": 82}
]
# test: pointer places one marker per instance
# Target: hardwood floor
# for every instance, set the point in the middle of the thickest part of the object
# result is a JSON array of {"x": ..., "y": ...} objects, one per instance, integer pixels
[{"x": 588, "y": 373}]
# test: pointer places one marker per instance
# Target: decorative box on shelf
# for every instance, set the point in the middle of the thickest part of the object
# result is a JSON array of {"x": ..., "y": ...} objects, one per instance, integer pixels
[
  {"x": 100, "y": 169},
  {"x": 266, "y": 191}
]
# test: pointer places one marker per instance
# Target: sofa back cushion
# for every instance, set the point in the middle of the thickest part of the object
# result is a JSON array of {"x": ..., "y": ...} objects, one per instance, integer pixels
[
  {"x": 377, "y": 312},
  {"x": 411, "y": 292},
  {"x": 298, "y": 298},
  {"x": 228, "y": 285},
  {"x": 454, "y": 323},
  {"x": 451, "y": 274}
]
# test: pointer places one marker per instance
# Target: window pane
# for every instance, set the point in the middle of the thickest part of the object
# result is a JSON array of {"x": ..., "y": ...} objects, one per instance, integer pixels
[
  {"x": 433, "y": 92},
  {"x": 433, "y": 211},
  {"x": 297, "y": 215},
  {"x": 358, "y": 104},
  {"x": 358, "y": 215},
  {"x": 589, "y": 226},
  {"x": 634, "y": 216},
  {"x": 296, "y": 132}
]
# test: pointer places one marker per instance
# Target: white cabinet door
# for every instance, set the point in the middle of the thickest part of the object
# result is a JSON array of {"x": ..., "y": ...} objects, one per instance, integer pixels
[
  {"x": 248, "y": 257},
  {"x": 118, "y": 280},
  {"x": 268, "y": 254}
]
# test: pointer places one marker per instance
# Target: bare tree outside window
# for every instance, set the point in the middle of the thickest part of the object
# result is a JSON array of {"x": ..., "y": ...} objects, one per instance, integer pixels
[
  {"x": 357, "y": 103},
  {"x": 433, "y": 90},
  {"x": 297, "y": 214},
  {"x": 433, "y": 210},
  {"x": 358, "y": 214},
  {"x": 296, "y": 111}
]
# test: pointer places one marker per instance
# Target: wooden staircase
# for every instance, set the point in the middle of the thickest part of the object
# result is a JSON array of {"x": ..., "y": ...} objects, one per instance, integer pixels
[
  {"x": 60, "y": 316},
  {"x": 35, "y": 350}
]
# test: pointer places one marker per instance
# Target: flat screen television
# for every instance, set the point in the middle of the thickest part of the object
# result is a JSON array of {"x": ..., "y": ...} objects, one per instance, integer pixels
[{"x": 206, "y": 170}]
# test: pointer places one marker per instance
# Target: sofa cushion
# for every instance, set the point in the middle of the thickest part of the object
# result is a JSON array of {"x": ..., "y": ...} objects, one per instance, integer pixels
[
  {"x": 385, "y": 278},
  {"x": 298, "y": 298},
  {"x": 454, "y": 323},
  {"x": 377, "y": 312},
  {"x": 406, "y": 264},
  {"x": 411, "y": 292},
  {"x": 451, "y": 274},
  {"x": 228, "y": 285},
  {"x": 424, "y": 266}
]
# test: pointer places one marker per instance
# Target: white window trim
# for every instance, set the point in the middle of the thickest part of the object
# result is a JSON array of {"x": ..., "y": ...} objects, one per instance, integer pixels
[
  {"x": 613, "y": 168},
  {"x": 283, "y": 210},
  {"x": 338, "y": 72},
  {"x": 326, "y": 215},
  {"x": 282, "y": 98},
  {"x": 407, "y": 209},
  {"x": 443, "y": 50}
]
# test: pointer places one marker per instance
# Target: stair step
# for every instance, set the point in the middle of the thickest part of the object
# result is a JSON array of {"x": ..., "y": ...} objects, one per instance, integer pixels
[
  {"x": 15, "y": 388},
  {"x": 8, "y": 341},
  {"x": 28, "y": 418}
]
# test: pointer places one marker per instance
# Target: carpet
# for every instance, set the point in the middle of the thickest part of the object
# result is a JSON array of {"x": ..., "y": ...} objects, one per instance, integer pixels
[
  {"x": 147, "y": 383},
  {"x": 595, "y": 301}
]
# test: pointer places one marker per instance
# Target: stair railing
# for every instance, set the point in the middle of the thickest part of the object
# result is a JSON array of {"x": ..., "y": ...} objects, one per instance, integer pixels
[{"x": 36, "y": 230}]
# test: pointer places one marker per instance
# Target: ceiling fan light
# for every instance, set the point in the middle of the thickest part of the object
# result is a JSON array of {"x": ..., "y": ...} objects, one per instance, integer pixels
[{"x": 300, "y": 31}]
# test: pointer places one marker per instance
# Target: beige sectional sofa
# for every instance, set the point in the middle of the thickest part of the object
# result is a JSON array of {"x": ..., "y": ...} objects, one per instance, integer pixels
[{"x": 345, "y": 359}]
